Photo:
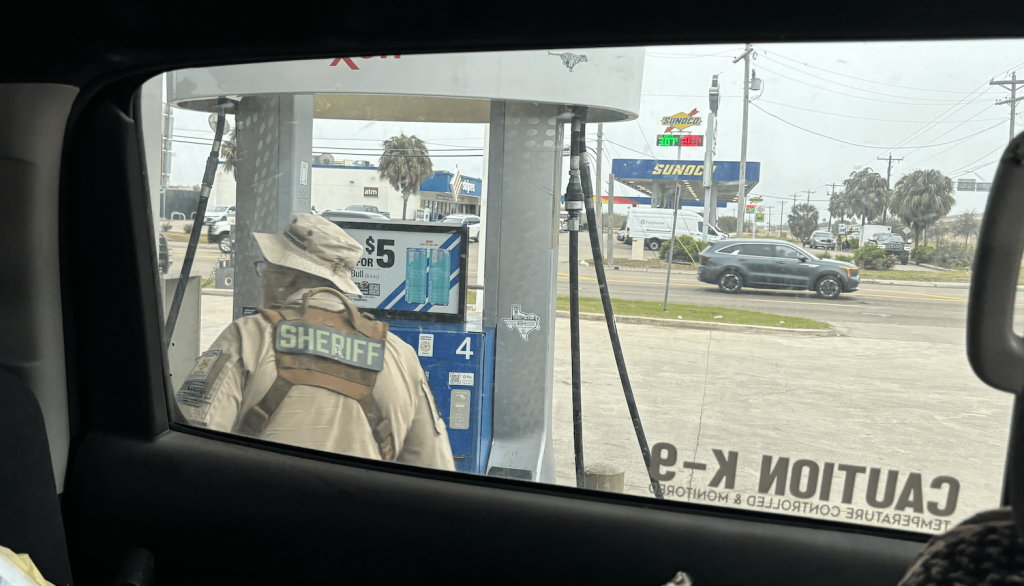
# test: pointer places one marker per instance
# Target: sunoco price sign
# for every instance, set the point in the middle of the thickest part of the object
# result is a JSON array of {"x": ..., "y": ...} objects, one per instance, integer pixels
[{"x": 411, "y": 270}]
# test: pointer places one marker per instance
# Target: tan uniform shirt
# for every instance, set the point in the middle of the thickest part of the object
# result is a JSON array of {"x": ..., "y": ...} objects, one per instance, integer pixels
[{"x": 316, "y": 418}]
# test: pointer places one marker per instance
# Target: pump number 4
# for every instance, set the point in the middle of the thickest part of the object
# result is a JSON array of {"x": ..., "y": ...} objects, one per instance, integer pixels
[{"x": 466, "y": 348}]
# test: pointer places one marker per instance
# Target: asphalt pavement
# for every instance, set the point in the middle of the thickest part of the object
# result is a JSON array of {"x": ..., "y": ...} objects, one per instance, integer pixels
[{"x": 894, "y": 305}]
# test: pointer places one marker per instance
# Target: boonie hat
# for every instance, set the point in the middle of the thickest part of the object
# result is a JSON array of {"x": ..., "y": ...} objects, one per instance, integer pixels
[{"x": 314, "y": 245}]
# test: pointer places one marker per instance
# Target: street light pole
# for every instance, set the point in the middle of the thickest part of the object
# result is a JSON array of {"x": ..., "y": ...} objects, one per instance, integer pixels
[
  {"x": 711, "y": 134},
  {"x": 672, "y": 242},
  {"x": 742, "y": 195}
]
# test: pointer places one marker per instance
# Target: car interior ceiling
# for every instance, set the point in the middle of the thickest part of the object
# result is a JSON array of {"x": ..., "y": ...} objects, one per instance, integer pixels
[{"x": 147, "y": 501}]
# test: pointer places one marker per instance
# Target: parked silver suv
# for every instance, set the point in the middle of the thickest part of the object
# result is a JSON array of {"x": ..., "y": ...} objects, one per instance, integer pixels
[{"x": 822, "y": 239}]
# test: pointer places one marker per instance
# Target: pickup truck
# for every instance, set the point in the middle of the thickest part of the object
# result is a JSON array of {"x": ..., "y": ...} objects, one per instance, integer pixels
[
  {"x": 894, "y": 246},
  {"x": 220, "y": 233}
]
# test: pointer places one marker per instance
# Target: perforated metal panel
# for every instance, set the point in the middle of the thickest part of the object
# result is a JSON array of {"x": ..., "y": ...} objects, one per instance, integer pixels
[
  {"x": 522, "y": 256},
  {"x": 275, "y": 138}
]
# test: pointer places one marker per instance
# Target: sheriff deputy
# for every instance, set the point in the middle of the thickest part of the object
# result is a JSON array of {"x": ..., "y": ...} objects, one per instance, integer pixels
[{"x": 309, "y": 370}]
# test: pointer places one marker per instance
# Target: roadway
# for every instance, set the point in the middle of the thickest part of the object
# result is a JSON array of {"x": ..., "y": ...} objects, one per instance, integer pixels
[{"x": 911, "y": 304}]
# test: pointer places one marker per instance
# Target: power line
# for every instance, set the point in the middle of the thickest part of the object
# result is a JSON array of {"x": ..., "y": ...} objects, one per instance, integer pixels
[
  {"x": 921, "y": 102},
  {"x": 767, "y": 56},
  {"x": 961, "y": 171},
  {"x": 872, "y": 118},
  {"x": 867, "y": 145},
  {"x": 852, "y": 86}
]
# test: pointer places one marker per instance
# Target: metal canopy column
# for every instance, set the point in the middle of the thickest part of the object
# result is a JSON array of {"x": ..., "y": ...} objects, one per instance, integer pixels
[
  {"x": 275, "y": 149},
  {"x": 523, "y": 191}
]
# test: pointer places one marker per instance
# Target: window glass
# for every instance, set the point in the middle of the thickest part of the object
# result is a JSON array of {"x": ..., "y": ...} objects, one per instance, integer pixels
[
  {"x": 279, "y": 336},
  {"x": 787, "y": 252},
  {"x": 766, "y": 250}
]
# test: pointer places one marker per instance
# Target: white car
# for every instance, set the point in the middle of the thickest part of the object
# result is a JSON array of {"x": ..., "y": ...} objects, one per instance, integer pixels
[
  {"x": 216, "y": 214},
  {"x": 465, "y": 220},
  {"x": 343, "y": 215}
]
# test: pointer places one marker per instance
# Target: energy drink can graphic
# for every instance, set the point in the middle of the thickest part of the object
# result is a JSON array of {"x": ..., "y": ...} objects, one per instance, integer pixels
[
  {"x": 416, "y": 275},
  {"x": 440, "y": 276}
]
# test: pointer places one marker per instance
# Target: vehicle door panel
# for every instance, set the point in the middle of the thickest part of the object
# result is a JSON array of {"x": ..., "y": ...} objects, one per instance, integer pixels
[
  {"x": 168, "y": 493},
  {"x": 757, "y": 261},
  {"x": 789, "y": 270}
]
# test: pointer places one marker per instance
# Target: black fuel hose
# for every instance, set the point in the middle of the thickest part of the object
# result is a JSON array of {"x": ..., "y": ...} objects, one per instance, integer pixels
[
  {"x": 606, "y": 302},
  {"x": 197, "y": 228},
  {"x": 574, "y": 204}
]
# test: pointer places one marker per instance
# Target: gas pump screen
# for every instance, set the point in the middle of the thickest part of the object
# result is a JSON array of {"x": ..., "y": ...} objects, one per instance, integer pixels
[{"x": 411, "y": 270}]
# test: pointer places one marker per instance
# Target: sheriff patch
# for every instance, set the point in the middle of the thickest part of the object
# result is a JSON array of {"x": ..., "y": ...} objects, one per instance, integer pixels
[
  {"x": 297, "y": 338},
  {"x": 193, "y": 397}
]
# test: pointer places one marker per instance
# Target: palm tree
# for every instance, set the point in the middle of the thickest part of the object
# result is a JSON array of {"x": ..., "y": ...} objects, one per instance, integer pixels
[
  {"x": 921, "y": 198},
  {"x": 839, "y": 206},
  {"x": 228, "y": 151},
  {"x": 867, "y": 194},
  {"x": 405, "y": 164},
  {"x": 803, "y": 220}
]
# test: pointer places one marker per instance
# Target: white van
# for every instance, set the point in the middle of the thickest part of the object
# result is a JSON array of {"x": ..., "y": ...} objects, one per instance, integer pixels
[
  {"x": 655, "y": 226},
  {"x": 871, "y": 233}
]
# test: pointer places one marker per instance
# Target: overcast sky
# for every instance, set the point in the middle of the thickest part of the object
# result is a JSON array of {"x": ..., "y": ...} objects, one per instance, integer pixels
[{"x": 825, "y": 111}]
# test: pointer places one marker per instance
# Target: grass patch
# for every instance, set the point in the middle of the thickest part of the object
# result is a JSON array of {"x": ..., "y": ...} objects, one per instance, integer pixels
[
  {"x": 181, "y": 237},
  {"x": 471, "y": 297},
  {"x": 694, "y": 313}
]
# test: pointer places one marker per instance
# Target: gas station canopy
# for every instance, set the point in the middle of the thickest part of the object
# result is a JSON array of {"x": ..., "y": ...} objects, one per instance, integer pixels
[{"x": 658, "y": 179}]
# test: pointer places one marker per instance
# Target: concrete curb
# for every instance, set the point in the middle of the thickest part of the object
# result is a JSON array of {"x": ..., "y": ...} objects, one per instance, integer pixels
[
  {"x": 931, "y": 284},
  {"x": 659, "y": 270},
  {"x": 220, "y": 292},
  {"x": 702, "y": 325}
]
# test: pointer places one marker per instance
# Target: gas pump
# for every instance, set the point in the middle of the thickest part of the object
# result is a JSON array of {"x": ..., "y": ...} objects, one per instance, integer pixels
[
  {"x": 491, "y": 375},
  {"x": 413, "y": 275}
]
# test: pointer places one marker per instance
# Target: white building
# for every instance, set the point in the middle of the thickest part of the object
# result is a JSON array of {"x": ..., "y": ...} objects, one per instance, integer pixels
[{"x": 334, "y": 187}]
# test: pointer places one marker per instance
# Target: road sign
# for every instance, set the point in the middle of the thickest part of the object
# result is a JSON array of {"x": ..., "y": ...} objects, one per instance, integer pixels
[
  {"x": 760, "y": 209},
  {"x": 906, "y": 230},
  {"x": 759, "y": 217}
]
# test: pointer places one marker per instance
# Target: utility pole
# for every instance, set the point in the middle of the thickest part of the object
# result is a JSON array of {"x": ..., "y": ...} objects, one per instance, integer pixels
[
  {"x": 741, "y": 210},
  {"x": 809, "y": 192},
  {"x": 609, "y": 254},
  {"x": 888, "y": 179},
  {"x": 1012, "y": 83},
  {"x": 782, "y": 217},
  {"x": 597, "y": 184}
]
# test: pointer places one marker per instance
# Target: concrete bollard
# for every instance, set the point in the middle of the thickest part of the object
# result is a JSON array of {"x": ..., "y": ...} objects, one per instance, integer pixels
[
  {"x": 637, "y": 252},
  {"x": 605, "y": 478}
]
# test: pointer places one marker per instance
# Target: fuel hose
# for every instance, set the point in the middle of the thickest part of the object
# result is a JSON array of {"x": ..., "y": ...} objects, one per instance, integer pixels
[
  {"x": 606, "y": 301},
  {"x": 197, "y": 226},
  {"x": 574, "y": 206}
]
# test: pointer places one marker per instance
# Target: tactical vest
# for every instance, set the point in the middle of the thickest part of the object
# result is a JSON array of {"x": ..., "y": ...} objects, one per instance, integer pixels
[{"x": 340, "y": 352}]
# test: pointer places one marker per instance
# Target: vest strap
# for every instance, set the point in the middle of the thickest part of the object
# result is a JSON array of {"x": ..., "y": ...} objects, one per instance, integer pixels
[{"x": 301, "y": 369}]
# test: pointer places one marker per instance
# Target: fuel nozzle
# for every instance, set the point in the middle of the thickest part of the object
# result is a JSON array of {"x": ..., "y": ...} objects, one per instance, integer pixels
[
  {"x": 574, "y": 199},
  {"x": 574, "y": 191}
]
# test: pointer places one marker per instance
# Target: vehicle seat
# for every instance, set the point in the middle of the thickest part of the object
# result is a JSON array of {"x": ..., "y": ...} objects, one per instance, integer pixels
[
  {"x": 985, "y": 549},
  {"x": 30, "y": 515}
]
